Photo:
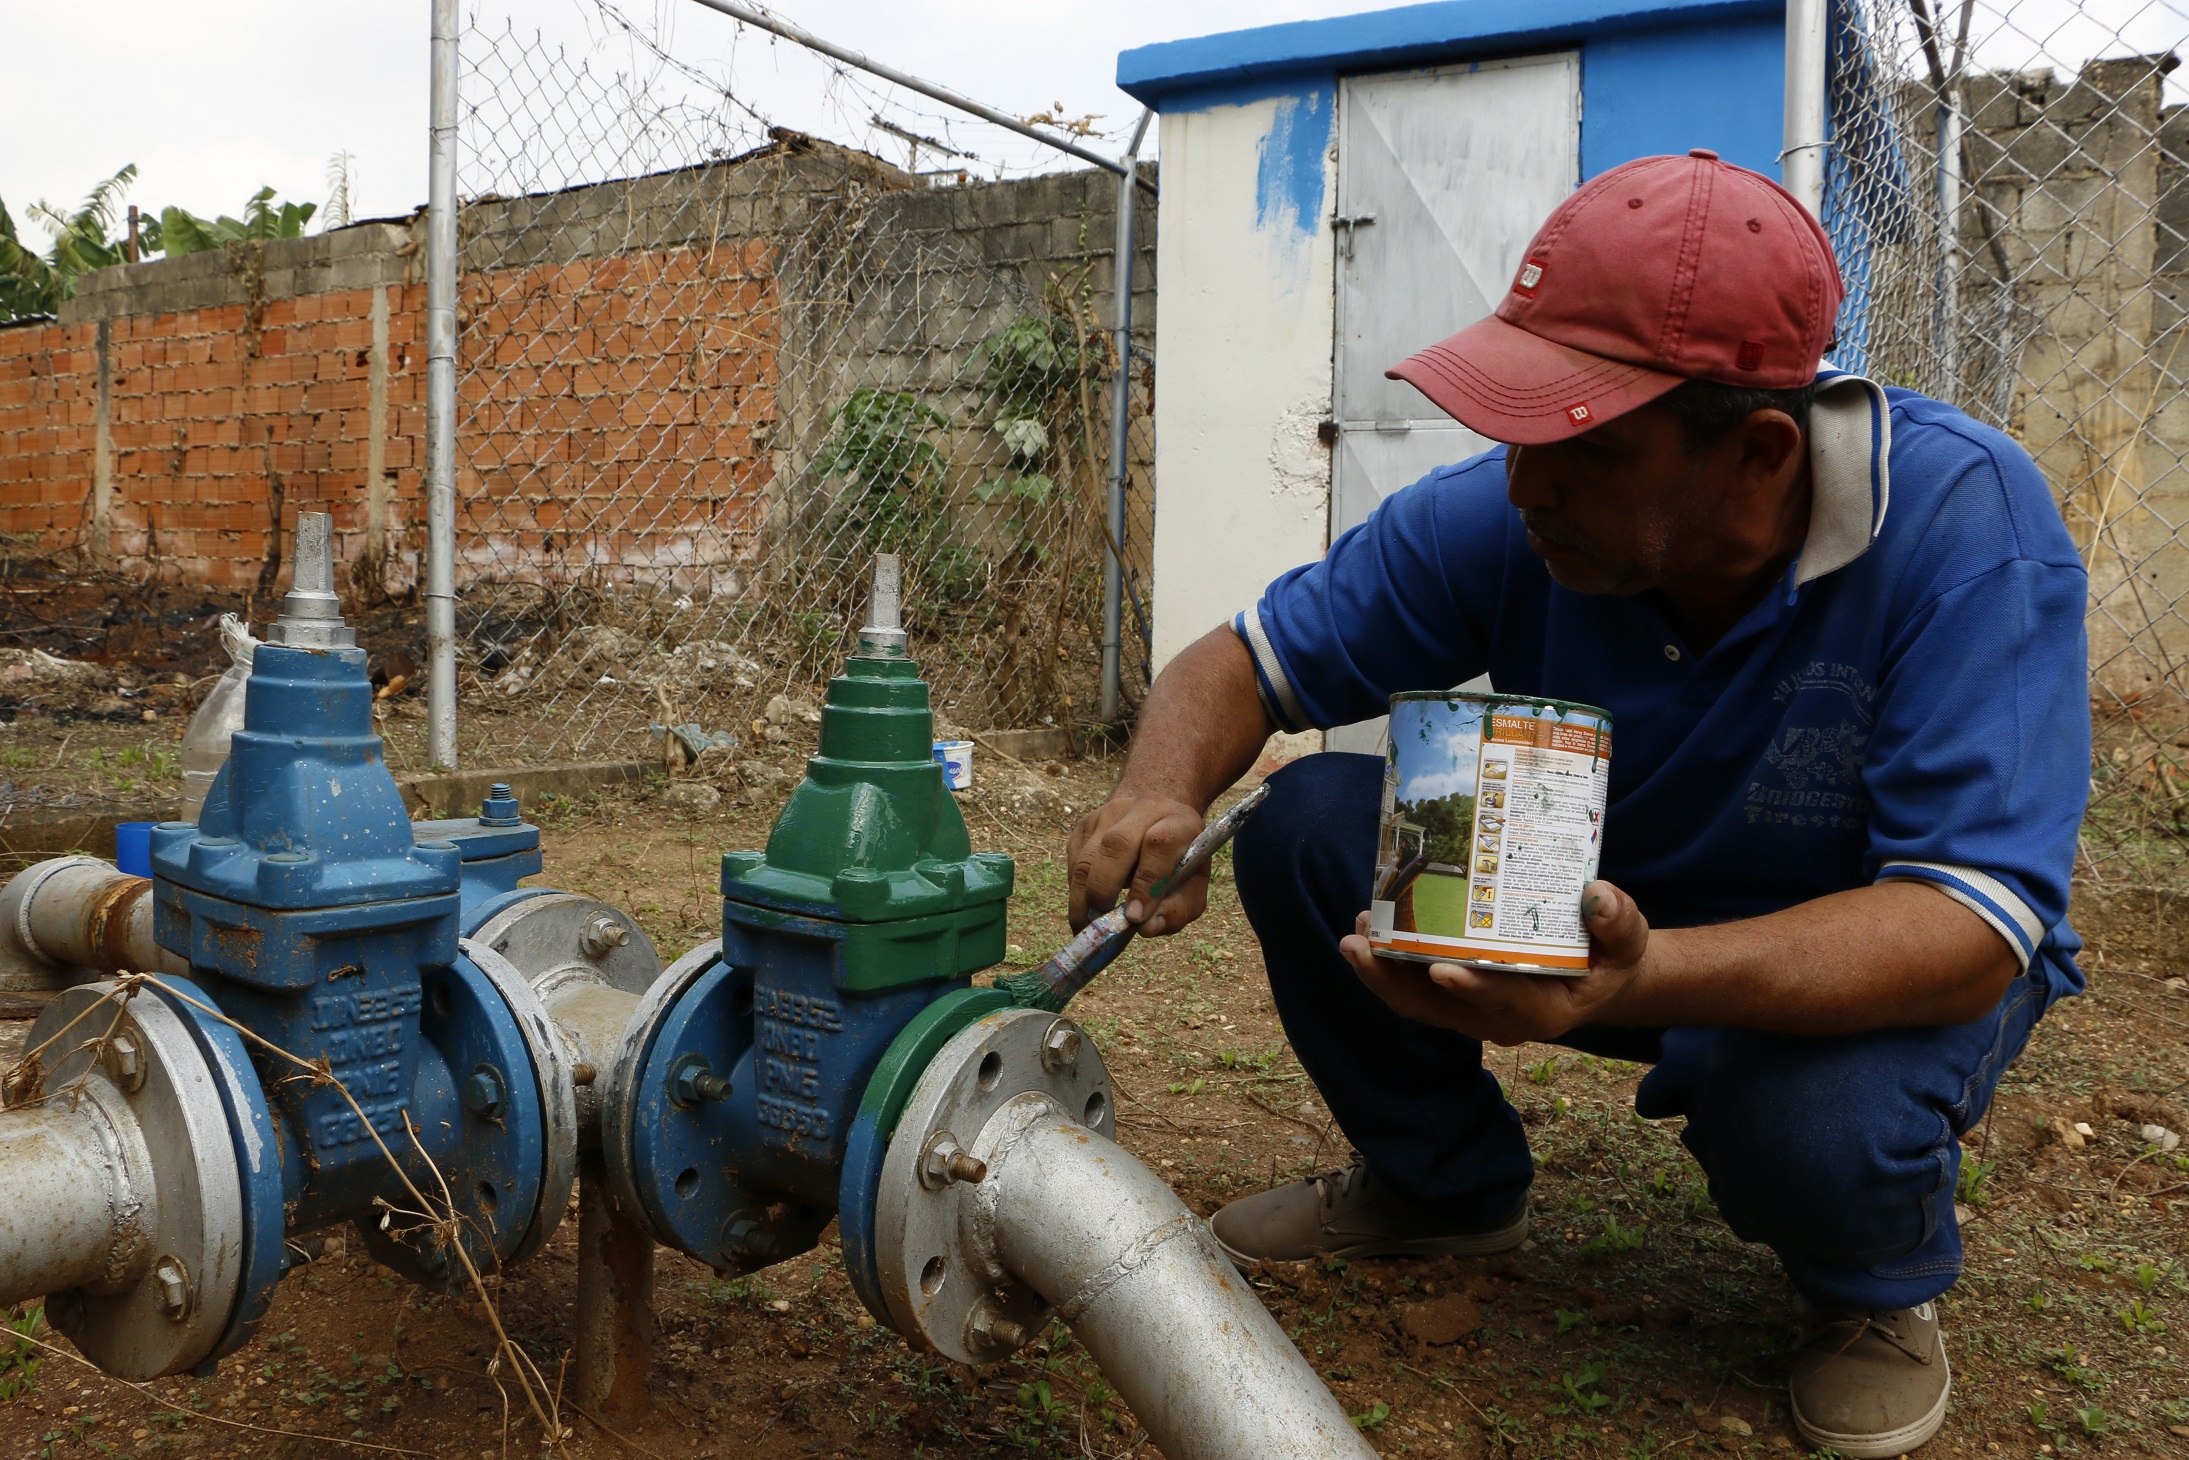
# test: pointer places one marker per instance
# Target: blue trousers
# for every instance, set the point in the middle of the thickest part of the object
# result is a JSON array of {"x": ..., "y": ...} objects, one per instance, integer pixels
[{"x": 1839, "y": 1152}]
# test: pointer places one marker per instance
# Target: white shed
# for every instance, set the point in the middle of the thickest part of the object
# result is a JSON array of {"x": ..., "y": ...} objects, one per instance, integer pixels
[{"x": 1339, "y": 193}]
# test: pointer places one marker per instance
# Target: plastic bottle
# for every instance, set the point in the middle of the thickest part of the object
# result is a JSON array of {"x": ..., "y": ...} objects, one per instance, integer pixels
[{"x": 220, "y": 716}]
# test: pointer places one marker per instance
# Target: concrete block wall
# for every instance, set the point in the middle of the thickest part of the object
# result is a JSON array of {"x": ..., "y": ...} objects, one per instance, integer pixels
[
  {"x": 623, "y": 349},
  {"x": 2086, "y": 176}
]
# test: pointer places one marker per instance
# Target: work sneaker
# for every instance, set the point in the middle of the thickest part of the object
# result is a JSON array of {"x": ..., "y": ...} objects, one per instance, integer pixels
[
  {"x": 1351, "y": 1213},
  {"x": 1869, "y": 1384}
]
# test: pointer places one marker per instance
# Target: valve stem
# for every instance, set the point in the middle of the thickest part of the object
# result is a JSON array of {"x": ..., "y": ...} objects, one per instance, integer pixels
[
  {"x": 311, "y": 615},
  {"x": 884, "y": 634}
]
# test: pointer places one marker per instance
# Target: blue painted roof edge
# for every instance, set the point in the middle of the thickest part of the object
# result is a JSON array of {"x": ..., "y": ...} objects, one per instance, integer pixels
[{"x": 1387, "y": 39}]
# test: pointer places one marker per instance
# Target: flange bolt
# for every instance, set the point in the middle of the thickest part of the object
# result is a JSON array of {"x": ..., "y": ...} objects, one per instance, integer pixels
[
  {"x": 174, "y": 1285},
  {"x": 601, "y": 936},
  {"x": 484, "y": 1093},
  {"x": 1060, "y": 1046},
  {"x": 743, "y": 1235},
  {"x": 990, "y": 1327},
  {"x": 944, "y": 1161},
  {"x": 125, "y": 1060},
  {"x": 500, "y": 807},
  {"x": 692, "y": 1080}
]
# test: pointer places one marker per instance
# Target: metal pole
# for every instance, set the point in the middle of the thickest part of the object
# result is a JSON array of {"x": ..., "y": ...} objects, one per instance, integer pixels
[
  {"x": 1801, "y": 162},
  {"x": 1113, "y": 568},
  {"x": 441, "y": 398},
  {"x": 1950, "y": 124},
  {"x": 775, "y": 25}
]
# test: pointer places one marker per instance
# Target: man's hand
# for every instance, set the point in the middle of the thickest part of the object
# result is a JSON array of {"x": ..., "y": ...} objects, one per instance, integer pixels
[
  {"x": 1199, "y": 731},
  {"x": 1900, "y": 954},
  {"x": 1514, "y": 1008},
  {"x": 1138, "y": 837}
]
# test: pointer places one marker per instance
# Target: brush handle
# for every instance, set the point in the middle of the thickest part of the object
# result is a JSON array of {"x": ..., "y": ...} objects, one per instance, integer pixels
[
  {"x": 1213, "y": 836},
  {"x": 1096, "y": 946}
]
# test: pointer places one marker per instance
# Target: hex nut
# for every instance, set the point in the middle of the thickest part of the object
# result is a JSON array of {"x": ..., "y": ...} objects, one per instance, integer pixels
[
  {"x": 174, "y": 1286},
  {"x": 602, "y": 935},
  {"x": 125, "y": 1060},
  {"x": 987, "y": 1326},
  {"x": 483, "y": 1093},
  {"x": 1060, "y": 1046},
  {"x": 944, "y": 1161}
]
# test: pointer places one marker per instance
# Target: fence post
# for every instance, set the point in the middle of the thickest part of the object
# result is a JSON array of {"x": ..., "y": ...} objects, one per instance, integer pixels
[
  {"x": 1113, "y": 568},
  {"x": 441, "y": 397},
  {"x": 1801, "y": 159}
]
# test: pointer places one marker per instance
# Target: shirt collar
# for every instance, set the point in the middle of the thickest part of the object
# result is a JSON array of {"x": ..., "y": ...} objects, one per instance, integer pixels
[{"x": 1850, "y": 445}]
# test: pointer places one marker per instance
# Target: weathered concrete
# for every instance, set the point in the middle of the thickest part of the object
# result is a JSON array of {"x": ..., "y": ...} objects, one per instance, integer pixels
[
  {"x": 362, "y": 256},
  {"x": 459, "y": 793}
]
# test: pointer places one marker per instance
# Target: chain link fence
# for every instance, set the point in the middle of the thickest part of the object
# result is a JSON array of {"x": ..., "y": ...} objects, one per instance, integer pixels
[
  {"x": 2008, "y": 188},
  {"x": 708, "y": 366}
]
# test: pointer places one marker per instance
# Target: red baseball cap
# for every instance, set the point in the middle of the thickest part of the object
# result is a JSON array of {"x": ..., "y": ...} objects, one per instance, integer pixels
[{"x": 1661, "y": 270}]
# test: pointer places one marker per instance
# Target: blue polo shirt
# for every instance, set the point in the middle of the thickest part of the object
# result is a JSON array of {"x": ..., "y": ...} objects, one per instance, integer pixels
[{"x": 1909, "y": 701}]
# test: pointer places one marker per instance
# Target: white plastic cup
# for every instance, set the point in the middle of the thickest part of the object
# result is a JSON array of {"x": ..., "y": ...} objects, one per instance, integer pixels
[{"x": 956, "y": 759}]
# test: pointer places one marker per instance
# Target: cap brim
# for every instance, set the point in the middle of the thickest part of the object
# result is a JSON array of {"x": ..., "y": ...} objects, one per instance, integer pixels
[{"x": 1502, "y": 382}]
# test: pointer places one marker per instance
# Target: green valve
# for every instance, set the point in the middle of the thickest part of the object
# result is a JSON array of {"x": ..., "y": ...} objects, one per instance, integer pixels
[{"x": 873, "y": 835}]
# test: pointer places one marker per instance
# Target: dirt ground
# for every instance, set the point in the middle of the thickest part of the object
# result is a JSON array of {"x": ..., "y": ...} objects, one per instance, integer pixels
[{"x": 1633, "y": 1324}]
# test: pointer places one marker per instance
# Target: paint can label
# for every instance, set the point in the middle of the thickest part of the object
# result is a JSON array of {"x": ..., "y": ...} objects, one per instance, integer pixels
[{"x": 1493, "y": 820}]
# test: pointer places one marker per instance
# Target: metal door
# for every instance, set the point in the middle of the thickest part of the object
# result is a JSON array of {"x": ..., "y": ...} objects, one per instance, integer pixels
[{"x": 1443, "y": 177}]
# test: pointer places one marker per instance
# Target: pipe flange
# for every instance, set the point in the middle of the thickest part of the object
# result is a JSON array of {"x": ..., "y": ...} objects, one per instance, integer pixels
[
  {"x": 500, "y": 1164},
  {"x": 617, "y": 1112},
  {"x": 552, "y": 1071},
  {"x": 674, "y": 1103},
  {"x": 933, "y": 1229},
  {"x": 567, "y": 934},
  {"x": 173, "y": 1286}
]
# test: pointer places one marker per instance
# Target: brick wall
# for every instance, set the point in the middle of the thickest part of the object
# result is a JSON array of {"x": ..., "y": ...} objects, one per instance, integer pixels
[
  {"x": 175, "y": 440},
  {"x": 48, "y": 429},
  {"x": 614, "y": 413},
  {"x": 624, "y": 413}
]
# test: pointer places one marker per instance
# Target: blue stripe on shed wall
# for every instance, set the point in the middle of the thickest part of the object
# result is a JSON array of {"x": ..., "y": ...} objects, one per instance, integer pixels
[
  {"x": 1649, "y": 92},
  {"x": 1288, "y": 174}
]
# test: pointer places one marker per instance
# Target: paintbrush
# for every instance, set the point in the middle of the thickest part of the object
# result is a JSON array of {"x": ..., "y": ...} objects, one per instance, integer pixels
[{"x": 1096, "y": 946}]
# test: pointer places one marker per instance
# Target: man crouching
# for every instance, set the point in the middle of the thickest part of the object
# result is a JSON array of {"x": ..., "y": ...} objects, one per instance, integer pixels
[{"x": 1840, "y": 629}]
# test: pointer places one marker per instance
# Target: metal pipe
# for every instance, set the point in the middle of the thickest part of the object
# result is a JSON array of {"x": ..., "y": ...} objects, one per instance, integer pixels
[
  {"x": 77, "y": 913},
  {"x": 615, "y": 1313},
  {"x": 589, "y": 1016},
  {"x": 1167, "y": 1318},
  {"x": 1801, "y": 160},
  {"x": 1113, "y": 568},
  {"x": 71, "y": 1218},
  {"x": 441, "y": 397},
  {"x": 775, "y": 25}
]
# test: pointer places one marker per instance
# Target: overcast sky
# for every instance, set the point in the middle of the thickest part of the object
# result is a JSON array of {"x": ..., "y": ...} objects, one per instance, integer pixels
[{"x": 212, "y": 98}]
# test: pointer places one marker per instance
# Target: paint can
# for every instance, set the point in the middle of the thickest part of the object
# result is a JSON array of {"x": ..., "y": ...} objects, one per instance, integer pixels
[
  {"x": 956, "y": 759},
  {"x": 1493, "y": 821}
]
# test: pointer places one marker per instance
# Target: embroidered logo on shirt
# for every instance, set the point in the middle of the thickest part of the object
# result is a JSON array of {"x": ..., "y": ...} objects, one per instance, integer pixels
[{"x": 1813, "y": 753}]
